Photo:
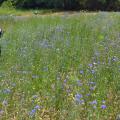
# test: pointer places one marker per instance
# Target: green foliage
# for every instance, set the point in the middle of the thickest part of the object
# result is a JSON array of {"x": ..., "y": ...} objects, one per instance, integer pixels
[
  {"x": 8, "y": 4},
  {"x": 65, "y": 4}
]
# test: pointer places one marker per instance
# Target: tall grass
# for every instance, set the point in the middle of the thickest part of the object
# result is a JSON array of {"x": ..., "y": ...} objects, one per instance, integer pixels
[
  {"x": 60, "y": 67},
  {"x": 23, "y": 12}
]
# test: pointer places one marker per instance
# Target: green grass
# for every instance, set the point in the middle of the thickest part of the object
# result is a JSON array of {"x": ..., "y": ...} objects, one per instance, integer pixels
[
  {"x": 24, "y": 12},
  {"x": 66, "y": 65}
]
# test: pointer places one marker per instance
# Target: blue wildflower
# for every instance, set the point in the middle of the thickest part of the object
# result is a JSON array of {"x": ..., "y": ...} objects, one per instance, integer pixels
[
  {"x": 6, "y": 91},
  {"x": 1, "y": 112},
  {"x": 103, "y": 106},
  {"x": 92, "y": 71},
  {"x": 81, "y": 102},
  {"x": 68, "y": 91},
  {"x": 94, "y": 107},
  {"x": 37, "y": 107},
  {"x": 81, "y": 72},
  {"x": 92, "y": 88},
  {"x": 78, "y": 98},
  {"x": 88, "y": 94},
  {"x": 32, "y": 112},
  {"x": 65, "y": 81},
  {"x": 79, "y": 83},
  {"x": 35, "y": 96},
  {"x": 90, "y": 65},
  {"x": 103, "y": 101},
  {"x": 91, "y": 83},
  {"x": 93, "y": 102},
  {"x": 98, "y": 62}
]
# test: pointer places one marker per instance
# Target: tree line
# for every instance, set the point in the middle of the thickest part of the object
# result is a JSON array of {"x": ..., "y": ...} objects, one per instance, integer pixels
[{"x": 66, "y": 4}]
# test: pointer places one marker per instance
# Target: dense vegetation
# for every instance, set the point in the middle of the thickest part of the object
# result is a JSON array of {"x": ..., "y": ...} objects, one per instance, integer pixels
[
  {"x": 60, "y": 67},
  {"x": 67, "y": 4}
]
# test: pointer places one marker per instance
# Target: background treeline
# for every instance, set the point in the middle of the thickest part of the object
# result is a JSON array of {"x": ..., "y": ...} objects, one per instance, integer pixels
[{"x": 65, "y": 4}]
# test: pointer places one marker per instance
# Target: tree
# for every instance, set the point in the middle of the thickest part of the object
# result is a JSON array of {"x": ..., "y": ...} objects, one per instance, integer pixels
[{"x": 67, "y": 4}]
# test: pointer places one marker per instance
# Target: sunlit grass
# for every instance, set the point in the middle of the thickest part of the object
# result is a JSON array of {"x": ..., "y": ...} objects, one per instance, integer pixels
[
  {"x": 24, "y": 12},
  {"x": 60, "y": 67}
]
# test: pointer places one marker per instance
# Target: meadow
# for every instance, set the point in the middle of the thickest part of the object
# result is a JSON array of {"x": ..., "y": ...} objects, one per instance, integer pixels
[{"x": 60, "y": 67}]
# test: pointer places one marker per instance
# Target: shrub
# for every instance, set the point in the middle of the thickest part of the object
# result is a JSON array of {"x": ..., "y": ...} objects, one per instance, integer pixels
[{"x": 8, "y": 4}]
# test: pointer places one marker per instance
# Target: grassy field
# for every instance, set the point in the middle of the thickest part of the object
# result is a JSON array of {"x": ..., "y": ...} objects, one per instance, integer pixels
[
  {"x": 31, "y": 12},
  {"x": 63, "y": 67}
]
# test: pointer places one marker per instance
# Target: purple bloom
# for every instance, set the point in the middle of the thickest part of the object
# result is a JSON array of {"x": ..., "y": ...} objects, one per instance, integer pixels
[
  {"x": 103, "y": 101},
  {"x": 92, "y": 71},
  {"x": 78, "y": 98},
  {"x": 35, "y": 96},
  {"x": 88, "y": 94},
  {"x": 65, "y": 81},
  {"x": 7, "y": 91},
  {"x": 103, "y": 106},
  {"x": 68, "y": 91},
  {"x": 1, "y": 112},
  {"x": 81, "y": 101},
  {"x": 93, "y": 102},
  {"x": 90, "y": 65},
  {"x": 81, "y": 72},
  {"x": 92, "y": 88},
  {"x": 98, "y": 62},
  {"x": 79, "y": 83},
  {"x": 37, "y": 107},
  {"x": 32, "y": 112},
  {"x": 92, "y": 83},
  {"x": 94, "y": 107}
]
